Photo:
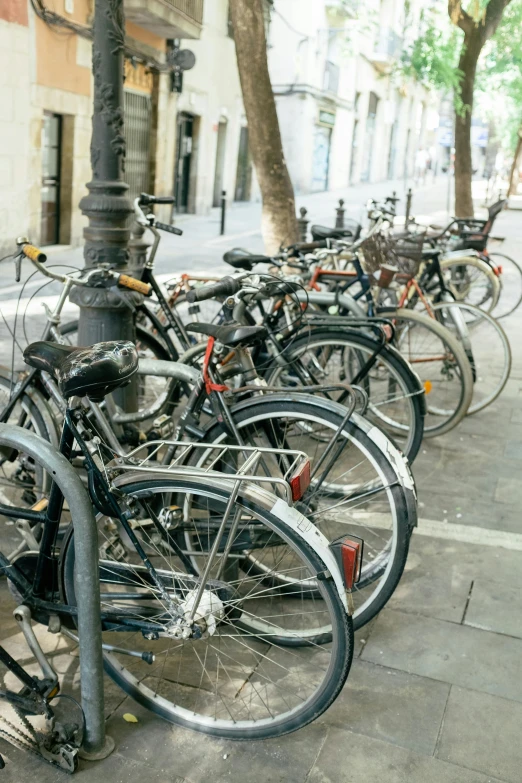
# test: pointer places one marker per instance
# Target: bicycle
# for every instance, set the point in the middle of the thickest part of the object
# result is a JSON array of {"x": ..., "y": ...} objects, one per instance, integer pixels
[{"x": 166, "y": 623}]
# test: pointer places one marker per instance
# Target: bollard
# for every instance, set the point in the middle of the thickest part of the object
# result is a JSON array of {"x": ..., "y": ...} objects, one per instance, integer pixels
[
  {"x": 339, "y": 214},
  {"x": 408, "y": 207},
  {"x": 223, "y": 211},
  {"x": 302, "y": 224}
]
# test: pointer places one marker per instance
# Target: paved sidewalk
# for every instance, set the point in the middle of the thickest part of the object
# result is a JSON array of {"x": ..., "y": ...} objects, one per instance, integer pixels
[{"x": 435, "y": 693}]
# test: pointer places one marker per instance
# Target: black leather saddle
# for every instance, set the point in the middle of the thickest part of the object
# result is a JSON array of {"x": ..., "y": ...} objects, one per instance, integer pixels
[
  {"x": 244, "y": 259},
  {"x": 232, "y": 336},
  {"x": 90, "y": 372},
  {"x": 323, "y": 232}
]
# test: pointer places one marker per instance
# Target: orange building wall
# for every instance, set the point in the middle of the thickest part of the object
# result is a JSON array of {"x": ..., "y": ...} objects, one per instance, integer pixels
[
  {"x": 56, "y": 51},
  {"x": 14, "y": 11}
]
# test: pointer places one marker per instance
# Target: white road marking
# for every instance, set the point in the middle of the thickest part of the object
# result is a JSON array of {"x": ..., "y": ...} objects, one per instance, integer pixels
[{"x": 469, "y": 534}]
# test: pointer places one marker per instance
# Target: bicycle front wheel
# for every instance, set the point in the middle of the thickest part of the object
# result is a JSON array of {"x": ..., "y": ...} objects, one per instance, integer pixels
[{"x": 245, "y": 677}]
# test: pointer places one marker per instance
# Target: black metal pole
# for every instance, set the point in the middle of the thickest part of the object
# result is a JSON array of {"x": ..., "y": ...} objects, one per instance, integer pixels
[
  {"x": 339, "y": 214},
  {"x": 107, "y": 314},
  {"x": 223, "y": 211},
  {"x": 408, "y": 207}
]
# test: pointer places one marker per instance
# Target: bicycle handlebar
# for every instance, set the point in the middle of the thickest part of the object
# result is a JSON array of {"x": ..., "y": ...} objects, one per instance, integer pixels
[
  {"x": 145, "y": 199},
  {"x": 225, "y": 287},
  {"x": 304, "y": 247},
  {"x": 33, "y": 253},
  {"x": 168, "y": 227}
]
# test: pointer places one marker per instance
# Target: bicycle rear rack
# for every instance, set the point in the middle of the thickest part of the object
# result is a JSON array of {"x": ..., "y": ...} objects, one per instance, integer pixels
[{"x": 291, "y": 485}]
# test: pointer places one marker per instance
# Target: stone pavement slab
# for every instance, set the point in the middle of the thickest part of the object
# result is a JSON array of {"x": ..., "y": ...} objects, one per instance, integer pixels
[
  {"x": 496, "y": 606},
  {"x": 482, "y": 732},
  {"x": 165, "y": 748},
  {"x": 347, "y": 757},
  {"x": 449, "y": 652},
  {"x": 393, "y": 706}
]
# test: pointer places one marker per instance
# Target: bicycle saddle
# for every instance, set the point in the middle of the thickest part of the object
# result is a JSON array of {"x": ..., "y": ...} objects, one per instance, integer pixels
[
  {"x": 244, "y": 259},
  {"x": 91, "y": 372},
  {"x": 323, "y": 232},
  {"x": 231, "y": 336}
]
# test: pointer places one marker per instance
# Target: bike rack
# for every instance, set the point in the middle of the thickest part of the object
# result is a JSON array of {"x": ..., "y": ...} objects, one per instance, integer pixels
[{"x": 96, "y": 744}]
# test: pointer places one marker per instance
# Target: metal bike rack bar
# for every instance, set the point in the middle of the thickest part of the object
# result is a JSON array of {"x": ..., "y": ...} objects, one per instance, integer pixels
[{"x": 96, "y": 745}]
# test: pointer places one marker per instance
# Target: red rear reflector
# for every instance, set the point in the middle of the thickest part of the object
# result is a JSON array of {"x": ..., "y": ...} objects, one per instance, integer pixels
[
  {"x": 300, "y": 481},
  {"x": 348, "y": 551}
]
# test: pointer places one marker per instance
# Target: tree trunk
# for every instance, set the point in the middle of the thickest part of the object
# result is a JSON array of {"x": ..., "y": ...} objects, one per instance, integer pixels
[
  {"x": 464, "y": 96},
  {"x": 279, "y": 225},
  {"x": 512, "y": 189}
]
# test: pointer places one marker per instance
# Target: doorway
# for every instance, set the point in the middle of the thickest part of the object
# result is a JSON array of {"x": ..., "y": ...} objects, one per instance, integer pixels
[
  {"x": 50, "y": 187},
  {"x": 321, "y": 159},
  {"x": 244, "y": 168},
  {"x": 370, "y": 130},
  {"x": 220, "y": 162},
  {"x": 185, "y": 137}
]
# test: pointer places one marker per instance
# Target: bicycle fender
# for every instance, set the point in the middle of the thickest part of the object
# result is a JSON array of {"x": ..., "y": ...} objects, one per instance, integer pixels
[{"x": 293, "y": 518}]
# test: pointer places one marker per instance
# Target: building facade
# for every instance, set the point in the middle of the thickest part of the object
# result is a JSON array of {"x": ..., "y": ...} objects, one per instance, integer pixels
[
  {"x": 346, "y": 115},
  {"x": 46, "y": 94}
]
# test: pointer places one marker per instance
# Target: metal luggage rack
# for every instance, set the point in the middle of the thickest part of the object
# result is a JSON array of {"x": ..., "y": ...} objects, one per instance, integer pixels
[{"x": 291, "y": 484}]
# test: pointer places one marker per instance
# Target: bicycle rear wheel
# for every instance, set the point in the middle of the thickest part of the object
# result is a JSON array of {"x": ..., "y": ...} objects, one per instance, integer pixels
[
  {"x": 330, "y": 356},
  {"x": 362, "y": 486},
  {"x": 245, "y": 677}
]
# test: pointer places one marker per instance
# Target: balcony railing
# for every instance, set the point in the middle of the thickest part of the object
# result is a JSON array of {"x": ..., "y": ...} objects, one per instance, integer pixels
[
  {"x": 167, "y": 18},
  {"x": 191, "y": 8},
  {"x": 388, "y": 47}
]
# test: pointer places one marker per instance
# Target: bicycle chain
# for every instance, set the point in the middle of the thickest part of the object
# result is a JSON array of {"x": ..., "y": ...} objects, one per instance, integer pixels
[{"x": 30, "y": 744}]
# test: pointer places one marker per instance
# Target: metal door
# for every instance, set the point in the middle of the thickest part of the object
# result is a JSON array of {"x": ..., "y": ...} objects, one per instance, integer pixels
[
  {"x": 50, "y": 189},
  {"x": 183, "y": 160},
  {"x": 138, "y": 128}
]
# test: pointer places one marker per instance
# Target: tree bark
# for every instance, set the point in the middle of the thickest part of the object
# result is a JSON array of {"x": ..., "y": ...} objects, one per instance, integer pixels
[
  {"x": 463, "y": 162},
  {"x": 512, "y": 189},
  {"x": 279, "y": 225},
  {"x": 476, "y": 33}
]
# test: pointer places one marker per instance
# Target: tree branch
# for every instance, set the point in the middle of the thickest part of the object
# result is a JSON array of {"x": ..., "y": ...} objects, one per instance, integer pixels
[
  {"x": 460, "y": 17},
  {"x": 494, "y": 11}
]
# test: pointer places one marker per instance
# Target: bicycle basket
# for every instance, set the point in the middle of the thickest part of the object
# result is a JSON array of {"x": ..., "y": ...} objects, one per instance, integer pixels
[{"x": 399, "y": 252}]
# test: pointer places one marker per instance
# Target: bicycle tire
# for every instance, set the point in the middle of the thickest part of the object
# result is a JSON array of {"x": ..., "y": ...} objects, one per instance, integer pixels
[
  {"x": 389, "y": 358},
  {"x": 481, "y": 315},
  {"x": 516, "y": 273},
  {"x": 459, "y": 363},
  {"x": 484, "y": 270}
]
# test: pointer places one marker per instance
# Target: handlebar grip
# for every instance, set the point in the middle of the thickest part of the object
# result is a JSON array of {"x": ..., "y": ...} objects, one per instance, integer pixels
[
  {"x": 306, "y": 246},
  {"x": 34, "y": 253},
  {"x": 225, "y": 287},
  {"x": 134, "y": 284},
  {"x": 146, "y": 198},
  {"x": 170, "y": 229}
]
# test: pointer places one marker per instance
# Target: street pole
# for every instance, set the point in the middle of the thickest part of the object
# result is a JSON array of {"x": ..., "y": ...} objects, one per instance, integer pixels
[{"x": 107, "y": 314}]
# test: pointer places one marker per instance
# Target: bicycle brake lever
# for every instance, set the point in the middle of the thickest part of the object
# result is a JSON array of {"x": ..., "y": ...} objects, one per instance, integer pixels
[{"x": 18, "y": 267}]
